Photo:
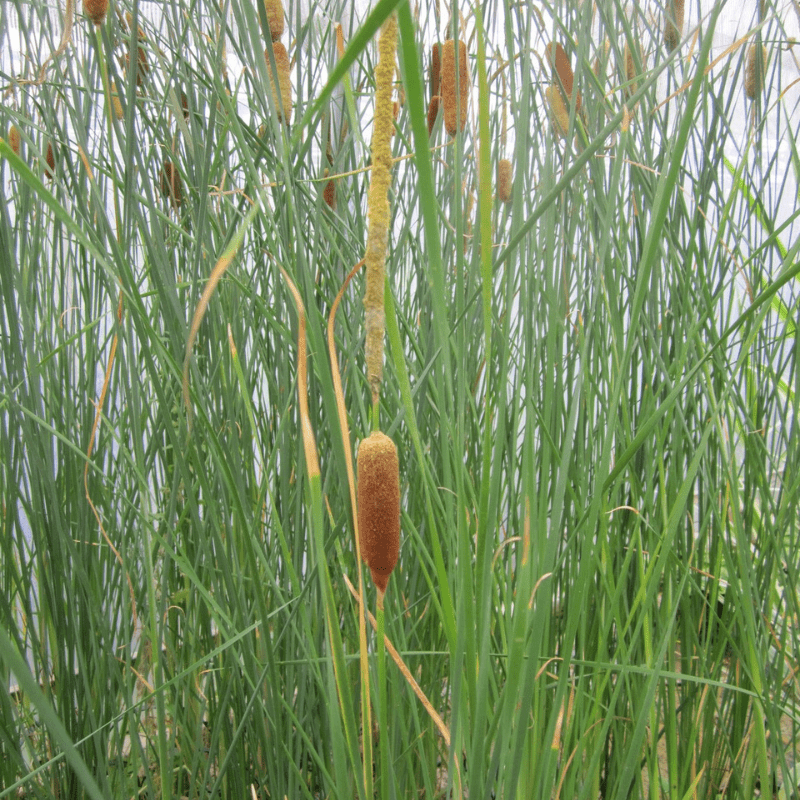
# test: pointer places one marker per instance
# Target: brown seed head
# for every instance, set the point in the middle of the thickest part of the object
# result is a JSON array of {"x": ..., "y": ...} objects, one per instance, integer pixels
[
  {"x": 436, "y": 68},
  {"x": 673, "y": 24},
  {"x": 50, "y": 159},
  {"x": 379, "y": 506},
  {"x": 455, "y": 88},
  {"x": 14, "y": 139},
  {"x": 329, "y": 193},
  {"x": 559, "y": 111},
  {"x": 504, "y": 180},
  {"x": 274, "y": 9},
  {"x": 116, "y": 103},
  {"x": 433, "y": 112},
  {"x": 284, "y": 84},
  {"x": 630, "y": 71},
  {"x": 95, "y": 10},
  {"x": 754, "y": 75},
  {"x": 171, "y": 184}
]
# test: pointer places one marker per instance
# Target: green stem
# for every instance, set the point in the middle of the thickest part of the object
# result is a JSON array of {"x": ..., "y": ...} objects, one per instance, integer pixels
[{"x": 383, "y": 711}]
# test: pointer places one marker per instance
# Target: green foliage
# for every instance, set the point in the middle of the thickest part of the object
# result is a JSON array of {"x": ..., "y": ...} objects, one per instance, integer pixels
[{"x": 593, "y": 391}]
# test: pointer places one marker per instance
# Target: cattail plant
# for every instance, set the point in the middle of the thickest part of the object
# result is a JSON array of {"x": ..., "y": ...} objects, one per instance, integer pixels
[
  {"x": 282, "y": 89},
  {"x": 50, "y": 160},
  {"x": 754, "y": 74},
  {"x": 673, "y": 24},
  {"x": 378, "y": 206},
  {"x": 455, "y": 88},
  {"x": 171, "y": 184},
  {"x": 14, "y": 139},
  {"x": 95, "y": 10},
  {"x": 562, "y": 75},
  {"x": 504, "y": 180},
  {"x": 436, "y": 68},
  {"x": 329, "y": 193},
  {"x": 433, "y": 112},
  {"x": 274, "y": 9},
  {"x": 379, "y": 506},
  {"x": 116, "y": 103},
  {"x": 601, "y": 60},
  {"x": 559, "y": 111},
  {"x": 630, "y": 71}
]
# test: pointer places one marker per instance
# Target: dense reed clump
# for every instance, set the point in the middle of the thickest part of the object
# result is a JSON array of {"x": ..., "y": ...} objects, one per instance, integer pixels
[
  {"x": 282, "y": 88},
  {"x": 171, "y": 184},
  {"x": 14, "y": 139},
  {"x": 455, "y": 86},
  {"x": 274, "y": 10},
  {"x": 504, "y": 180},
  {"x": 673, "y": 24},
  {"x": 379, "y": 506},
  {"x": 756, "y": 68},
  {"x": 96, "y": 10}
]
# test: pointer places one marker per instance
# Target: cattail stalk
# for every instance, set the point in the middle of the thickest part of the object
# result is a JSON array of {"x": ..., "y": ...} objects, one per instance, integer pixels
[
  {"x": 379, "y": 506},
  {"x": 455, "y": 88},
  {"x": 433, "y": 112},
  {"x": 378, "y": 205},
  {"x": 559, "y": 111},
  {"x": 436, "y": 68}
]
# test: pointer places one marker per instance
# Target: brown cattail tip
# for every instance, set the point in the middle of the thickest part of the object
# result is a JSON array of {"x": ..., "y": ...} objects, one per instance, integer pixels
[
  {"x": 504, "y": 178},
  {"x": 95, "y": 10},
  {"x": 630, "y": 71},
  {"x": 436, "y": 68},
  {"x": 559, "y": 111},
  {"x": 754, "y": 76},
  {"x": 50, "y": 158},
  {"x": 14, "y": 139},
  {"x": 171, "y": 185},
  {"x": 379, "y": 506},
  {"x": 329, "y": 193},
  {"x": 433, "y": 112},
  {"x": 282, "y": 95},
  {"x": 274, "y": 9},
  {"x": 673, "y": 24},
  {"x": 560, "y": 66},
  {"x": 455, "y": 88}
]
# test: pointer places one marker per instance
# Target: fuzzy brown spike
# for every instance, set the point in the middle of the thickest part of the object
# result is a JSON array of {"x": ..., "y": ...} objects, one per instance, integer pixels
[
  {"x": 673, "y": 24},
  {"x": 436, "y": 68},
  {"x": 274, "y": 9},
  {"x": 96, "y": 10},
  {"x": 504, "y": 180},
  {"x": 50, "y": 159},
  {"x": 433, "y": 112},
  {"x": 559, "y": 111},
  {"x": 455, "y": 90},
  {"x": 754, "y": 74},
  {"x": 379, "y": 506},
  {"x": 284, "y": 84},
  {"x": 171, "y": 184},
  {"x": 14, "y": 139},
  {"x": 329, "y": 193}
]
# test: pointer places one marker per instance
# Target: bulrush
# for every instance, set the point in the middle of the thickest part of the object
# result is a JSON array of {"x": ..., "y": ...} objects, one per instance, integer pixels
[
  {"x": 274, "y": 9},
  {"x": 562, "y": 72},
  {"x": 754, "y": 75},
  {"x": 96, "y": 10},
  {"x": 433, "y": 112},
  {"x": 14, "y": 139},
  {"x": 50, "y": 159},
  {"x": 282, "y": 94},
  {"x": 630, "y": 71},
  {"x": 504, "y": 180},
  {"x": 329, "y": 193},
  {"x": 171, "y": 184},
  {"x": 116, "y": 103},
  {"x": 673, "y": 24},
  {"x": 455, "y": 88},
  {"x": 559, "y": 111},
  {"x": 379, "y": 506},
  {"x": 436, "y": 68}
]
